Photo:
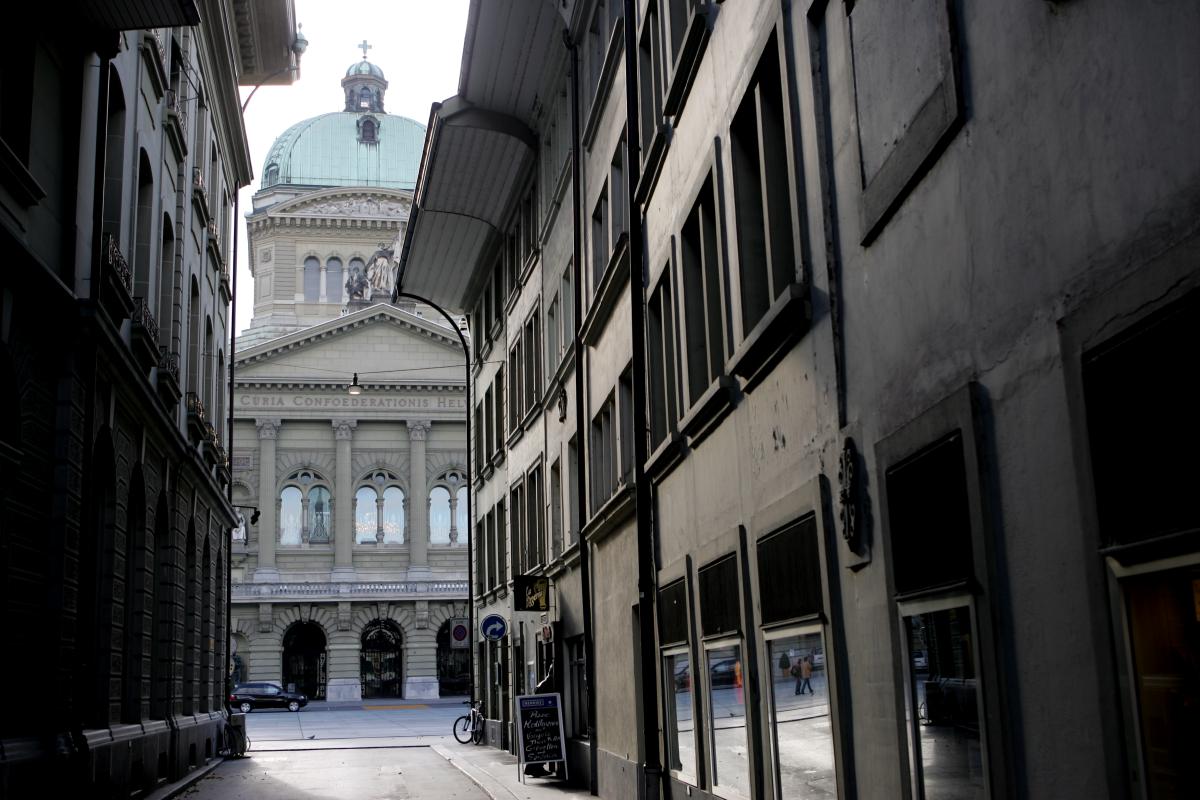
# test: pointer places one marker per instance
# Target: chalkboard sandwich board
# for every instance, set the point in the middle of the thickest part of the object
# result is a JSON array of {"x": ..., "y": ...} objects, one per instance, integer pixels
[{"x": 540, "y": 729}]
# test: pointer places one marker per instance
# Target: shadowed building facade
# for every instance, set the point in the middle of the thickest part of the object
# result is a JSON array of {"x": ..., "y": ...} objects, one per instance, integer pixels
[{"x": 122, "y": 146}]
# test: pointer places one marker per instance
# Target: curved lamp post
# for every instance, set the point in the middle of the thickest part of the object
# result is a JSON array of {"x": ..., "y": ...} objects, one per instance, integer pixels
[{"x": 470, "y": 533}]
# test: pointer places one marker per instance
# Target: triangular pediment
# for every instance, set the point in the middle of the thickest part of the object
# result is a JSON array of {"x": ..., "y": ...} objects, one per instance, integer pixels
[
  {"x": 349, "y": 204},
  {"x": 382, "y": 344}
]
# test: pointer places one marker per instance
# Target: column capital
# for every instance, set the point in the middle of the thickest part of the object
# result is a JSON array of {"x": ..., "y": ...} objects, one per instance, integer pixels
[
  {"x": 344, "y": 428},
  {"x": 418, "y": 429},
  {"x": 268, "y": 428}
]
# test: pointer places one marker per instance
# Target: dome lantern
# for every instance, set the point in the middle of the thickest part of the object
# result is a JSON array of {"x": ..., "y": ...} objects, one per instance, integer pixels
[{"x": 364, "y": 85}]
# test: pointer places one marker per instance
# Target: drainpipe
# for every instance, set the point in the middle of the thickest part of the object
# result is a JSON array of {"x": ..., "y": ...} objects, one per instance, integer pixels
[
  {"x": 585, "y": 571},
  {"x": 647, "y": 571}
]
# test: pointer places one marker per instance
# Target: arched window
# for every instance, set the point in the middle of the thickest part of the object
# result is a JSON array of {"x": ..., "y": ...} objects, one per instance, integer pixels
[
  {"x": 145, "y": 229},
  {"x": 333, "y": 280},
  {"x": 439, "y": 515},
  {"x": 289, "y": 515},
  {"x": 193, "y": 373},
  {"x": 312, "y": 279},
  {"x": 166, "y": 283},
  {"x": 460, "y": 515},
  {"x": 368, "y": 130},
  {"x": 206, "y": 365},
  {"x": 364, "y": 99},
  {"x": 393, "y": 515},
  {"x": 114, "y": 157},
  {"x": 366, "y": 514},
  {"x": 272, "y": 175},
  {"x": 319, "y": 522}
]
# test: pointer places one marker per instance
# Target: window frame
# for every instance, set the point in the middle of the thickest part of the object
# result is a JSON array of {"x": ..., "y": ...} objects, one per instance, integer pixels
[{"x": 955, "y": 412}]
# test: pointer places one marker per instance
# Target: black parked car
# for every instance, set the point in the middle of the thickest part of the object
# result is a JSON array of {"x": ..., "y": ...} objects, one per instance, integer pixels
[{"x": 249, "y": 696}]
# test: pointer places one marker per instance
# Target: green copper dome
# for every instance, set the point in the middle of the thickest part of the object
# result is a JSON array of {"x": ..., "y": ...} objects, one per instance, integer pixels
[{"x": 347, "y": 149}]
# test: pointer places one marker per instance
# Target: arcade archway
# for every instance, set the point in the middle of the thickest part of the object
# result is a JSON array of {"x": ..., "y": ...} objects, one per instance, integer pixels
[
  {"x": 304, "y": 660},
  {"x": 380, "y": 670}
]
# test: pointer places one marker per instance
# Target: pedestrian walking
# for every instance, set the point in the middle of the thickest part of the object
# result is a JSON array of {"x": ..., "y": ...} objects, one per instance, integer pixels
[{"x": 802, "y": 672}]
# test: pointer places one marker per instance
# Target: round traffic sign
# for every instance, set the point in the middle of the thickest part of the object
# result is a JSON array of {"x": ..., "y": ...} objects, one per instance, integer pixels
[
  {"x": 493, "y": 627},
  {"x": 459, "y": 632}
]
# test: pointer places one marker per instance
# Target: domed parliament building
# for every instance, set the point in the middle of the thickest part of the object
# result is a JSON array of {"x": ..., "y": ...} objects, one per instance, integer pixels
[{"x": 352, "y": 578}]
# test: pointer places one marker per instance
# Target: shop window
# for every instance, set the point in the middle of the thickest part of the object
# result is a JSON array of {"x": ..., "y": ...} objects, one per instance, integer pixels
[
  {"x": 799, "y": 698},
  {"x": 723, "y": 663},
  {"x": 935, "y": 535},
  {"x": 678, "y": 694}
]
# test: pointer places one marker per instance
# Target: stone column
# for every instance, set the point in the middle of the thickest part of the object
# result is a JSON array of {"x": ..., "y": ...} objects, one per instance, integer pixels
[
  {"x": 453, "y": 511},
  {"x": 343, "y": 503},
  {"x": 268, "y": 527},
  {"x": 322, "y": 294},
  {"x": 418, "y": 548},
  {"x": 379, "y": 517}
]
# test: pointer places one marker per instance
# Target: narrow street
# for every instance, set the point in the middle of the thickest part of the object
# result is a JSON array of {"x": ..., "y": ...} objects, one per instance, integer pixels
[{"x": 362, "y": 751}]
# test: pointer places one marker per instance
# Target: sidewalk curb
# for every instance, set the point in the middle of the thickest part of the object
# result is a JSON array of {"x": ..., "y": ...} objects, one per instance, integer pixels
[
  {"x": 186, "y": 782},
  {"x": 480, "y": 777}
]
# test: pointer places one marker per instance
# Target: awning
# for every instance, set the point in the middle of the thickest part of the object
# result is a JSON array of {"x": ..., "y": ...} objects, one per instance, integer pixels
[{"x": 480, "y": 148}]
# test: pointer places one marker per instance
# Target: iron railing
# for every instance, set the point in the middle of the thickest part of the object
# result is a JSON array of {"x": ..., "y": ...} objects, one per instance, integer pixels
[
  {"x": 168, "y": 362},
  {"x": 143, "y": 318},
  {"x": 114, "y": 260}
]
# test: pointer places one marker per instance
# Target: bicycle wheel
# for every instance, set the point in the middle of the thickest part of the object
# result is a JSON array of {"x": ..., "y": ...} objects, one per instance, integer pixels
[
  {"x": 477, "y": 733},
  {"x": 462, "y": 729}
]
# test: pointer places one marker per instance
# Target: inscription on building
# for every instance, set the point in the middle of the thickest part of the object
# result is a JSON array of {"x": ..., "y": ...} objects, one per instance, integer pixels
[{"x": 334, "y": 401}]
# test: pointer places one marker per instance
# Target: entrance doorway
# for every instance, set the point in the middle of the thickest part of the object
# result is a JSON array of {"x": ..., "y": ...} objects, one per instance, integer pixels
[
  {"x": 304, "y": 660},
  {"x": 453, "y": 663},
  {"x": 382, "y": 649}
]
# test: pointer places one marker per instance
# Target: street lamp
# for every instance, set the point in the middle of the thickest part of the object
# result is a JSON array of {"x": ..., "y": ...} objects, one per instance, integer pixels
[{"x": 470, "y": 534}]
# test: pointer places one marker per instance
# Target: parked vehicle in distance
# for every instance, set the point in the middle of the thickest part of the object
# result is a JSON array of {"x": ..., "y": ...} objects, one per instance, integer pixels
[
  {"x": 248, "y": 696},
  {"x": 723, "y": 673},
  {"x": 920, "y": 660}
]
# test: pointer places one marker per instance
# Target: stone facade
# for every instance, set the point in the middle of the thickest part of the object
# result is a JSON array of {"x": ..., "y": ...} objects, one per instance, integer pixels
[
  {"x": 862, "y": 465},
  {"x": 362, "y": 502}
]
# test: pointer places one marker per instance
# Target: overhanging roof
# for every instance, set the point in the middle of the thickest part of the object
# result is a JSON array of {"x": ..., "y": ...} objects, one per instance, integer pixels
[{"x": 479, "y": 148}]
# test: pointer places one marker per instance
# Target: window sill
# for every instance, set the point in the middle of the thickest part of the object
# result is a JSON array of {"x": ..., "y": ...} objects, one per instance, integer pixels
[
  {"x": 486, "y": 471},
  {"x": 563, "y": 561},
  {"x": 515, "y": 435},
  {"x": 665, "y": 457},
  {"x": 712, "y": 406},
  {"x": 527, "y": 268},
  {"x": 531, "y": 416},
  {"x": 496, "y": 329},
  {"x": 566, "y": 362},
  {"x": 608, "y": 72},
  {"x": 784, "y": 324},
  {"x": 683, "y": 74},
  {"x": 608, "y": 517},
  {"x": 497, "y": 458},
  {"x": 556, "y": 200},
  {"x": 656, "y": 156},
  {"x": 608, "y": 292}
]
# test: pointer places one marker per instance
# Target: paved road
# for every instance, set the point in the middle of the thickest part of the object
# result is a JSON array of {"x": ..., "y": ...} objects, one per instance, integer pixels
[
  {"x": 345, "y": 774},
  {"x": 327, "y": 725}
]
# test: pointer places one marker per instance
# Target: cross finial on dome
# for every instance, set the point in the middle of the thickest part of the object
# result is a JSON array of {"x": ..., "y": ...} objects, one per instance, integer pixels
[{"x": 365, "y": 47}]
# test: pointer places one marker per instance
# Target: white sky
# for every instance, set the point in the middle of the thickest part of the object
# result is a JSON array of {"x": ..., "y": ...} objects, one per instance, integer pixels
[{"x": 418, "y": 45}]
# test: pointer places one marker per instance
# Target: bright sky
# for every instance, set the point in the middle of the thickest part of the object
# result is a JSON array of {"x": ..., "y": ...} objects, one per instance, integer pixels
[{"x": 418, "y": 45}]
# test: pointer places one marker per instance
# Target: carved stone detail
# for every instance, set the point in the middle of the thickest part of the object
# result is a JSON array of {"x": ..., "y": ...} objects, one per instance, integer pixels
[
  {"x": 344, "y": 428},
  {"x": 418, "y": 429},
  {"x": 268, "y": 428}
]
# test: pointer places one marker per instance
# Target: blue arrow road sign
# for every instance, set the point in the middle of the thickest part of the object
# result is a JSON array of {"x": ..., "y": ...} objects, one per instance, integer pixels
[{"x": 493, "y": 627}]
